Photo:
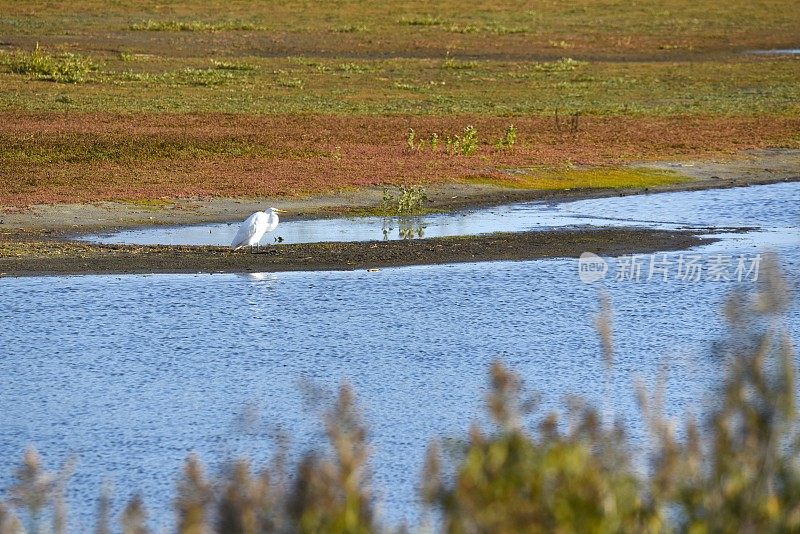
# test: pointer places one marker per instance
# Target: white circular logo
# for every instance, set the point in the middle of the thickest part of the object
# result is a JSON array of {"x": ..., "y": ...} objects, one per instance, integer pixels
[{"x": 591, "y": 267}]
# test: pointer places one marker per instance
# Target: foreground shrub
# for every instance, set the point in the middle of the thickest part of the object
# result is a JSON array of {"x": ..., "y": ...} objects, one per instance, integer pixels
[
  {"x": 580, "y": 479},
  {"x": 738, "y": 472}
]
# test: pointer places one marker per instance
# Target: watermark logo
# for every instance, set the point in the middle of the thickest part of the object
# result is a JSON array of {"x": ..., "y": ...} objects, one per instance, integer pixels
[
  {"x": 689, "y": 268},
  {"x": 591, "y": 267}
]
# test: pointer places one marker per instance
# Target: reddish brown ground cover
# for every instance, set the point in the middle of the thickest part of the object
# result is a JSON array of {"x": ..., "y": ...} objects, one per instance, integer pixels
[{"x": 52, "y": 158}]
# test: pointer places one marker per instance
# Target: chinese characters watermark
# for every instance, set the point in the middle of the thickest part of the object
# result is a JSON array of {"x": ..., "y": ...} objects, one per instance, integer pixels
[{"x": 690, "y": 268}]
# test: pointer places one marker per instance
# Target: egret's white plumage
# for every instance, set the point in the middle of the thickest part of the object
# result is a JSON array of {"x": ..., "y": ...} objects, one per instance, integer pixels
[{"x": 254, "y": 227}]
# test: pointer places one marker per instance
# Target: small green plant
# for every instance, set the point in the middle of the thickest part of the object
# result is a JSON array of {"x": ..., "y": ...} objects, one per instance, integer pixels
[
  {"x": 455, "y": 64},
  {"x": 455, "y": 28},
  {"x": 427, "y": 20},
  {"x": 409, "y": 200},
  {"x": 64, "y": 68},
  {"x": 465, "y": 144},
  {"x": 351, "y": 28},
  {"x": 509, "y": 138},
  {"x": 410, "y": 136},
  {"x": 434, "y": 141},
  {"x": 292, "y": 83},
  {"x": 353, "y": 67},
  {"x": 499, "y": 29},
  {"x": 232, "y": 65},
  {"x": 562, "y": 65},
  {"x": 405, "y": 86}
]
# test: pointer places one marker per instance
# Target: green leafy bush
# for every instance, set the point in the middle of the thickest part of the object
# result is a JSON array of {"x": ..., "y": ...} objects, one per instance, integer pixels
[
  {"x": 465, "y": 144},
  {"x": 509, "y": 138},
  {"x": 409, "y": 200}
]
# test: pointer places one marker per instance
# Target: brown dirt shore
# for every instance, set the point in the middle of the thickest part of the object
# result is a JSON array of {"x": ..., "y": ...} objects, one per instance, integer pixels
[
  {"x": 67, "y": 258},
  {"x": 35, "y": 241}
]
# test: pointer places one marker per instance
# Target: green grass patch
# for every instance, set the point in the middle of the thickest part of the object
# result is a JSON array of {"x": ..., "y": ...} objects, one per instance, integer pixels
[
  {"x": 442, "y": 86},
  {"x": 64, "y": 68},
  {"x": 452, "y": 63},
  {"x": 194, "y": 26},
  {"x": 425, "y": 20},
  {"x": 562, "y": 65},
  {"x": 233, "y": 65},
  {"x": 350, "y": 28},
  {"x": 551, "y": 178}
]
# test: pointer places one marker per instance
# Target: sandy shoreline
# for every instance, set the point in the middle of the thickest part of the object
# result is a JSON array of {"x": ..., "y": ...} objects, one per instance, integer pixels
[{"x": 67, "y": 258}]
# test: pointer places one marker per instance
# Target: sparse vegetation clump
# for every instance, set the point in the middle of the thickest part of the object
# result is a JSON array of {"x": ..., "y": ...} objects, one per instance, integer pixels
[
  {"x": 232, "y": 65},
  {"x": 455, "y": 64},
  {"x": 194, "y": 26},
  {"x": 426, "y": 20},
  {"x": 562, "y": 65},
  {"x": 63, "y": 68},
  {"x": 206, "y": 77},
  {"x": 509, "y": 138},
  {"x": 411, "y": 135},
  {"x": 736, "y": 472},
  {"x": 465, "y": 144},
  {"x": 455, "y": 28},
  {"x": 407, "y": 200},
  {"x": 351, "y": 28}
]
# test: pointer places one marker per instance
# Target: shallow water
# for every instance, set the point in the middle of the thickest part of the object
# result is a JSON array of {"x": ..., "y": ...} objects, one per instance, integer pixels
[
  {"x": 777, "y": 52},
  {"x": 767, "y": 207},
  {"x": 132, "y": 373}
]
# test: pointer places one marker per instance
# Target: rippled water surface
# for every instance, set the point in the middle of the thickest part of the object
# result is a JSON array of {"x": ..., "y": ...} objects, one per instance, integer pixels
[{"x": 131, "y": 373}]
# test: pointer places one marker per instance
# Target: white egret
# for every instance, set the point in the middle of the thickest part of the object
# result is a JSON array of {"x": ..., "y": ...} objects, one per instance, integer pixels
[{"x": 254, "y": 227}]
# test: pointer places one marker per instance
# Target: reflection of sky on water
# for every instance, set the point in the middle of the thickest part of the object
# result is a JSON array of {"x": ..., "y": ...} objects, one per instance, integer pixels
[{"x": 773, "y": 209}]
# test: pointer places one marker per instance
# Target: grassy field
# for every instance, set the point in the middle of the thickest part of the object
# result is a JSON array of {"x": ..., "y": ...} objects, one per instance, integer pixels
[{"x": 103, "y": 100}]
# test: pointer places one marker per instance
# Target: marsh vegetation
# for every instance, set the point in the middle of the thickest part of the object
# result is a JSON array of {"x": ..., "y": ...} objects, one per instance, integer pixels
[{"x": 635, "y": 84}]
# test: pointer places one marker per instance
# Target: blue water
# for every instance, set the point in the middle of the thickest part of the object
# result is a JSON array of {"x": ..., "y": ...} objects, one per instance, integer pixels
[
  {"x": 777, "y": 52},
  {"x": 132, "y": 373},
  {"x": 761, "y": 206}
]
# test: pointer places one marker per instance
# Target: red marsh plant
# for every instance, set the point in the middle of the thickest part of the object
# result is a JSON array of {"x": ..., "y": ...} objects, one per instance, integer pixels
[{"x": 48, "y": 158}]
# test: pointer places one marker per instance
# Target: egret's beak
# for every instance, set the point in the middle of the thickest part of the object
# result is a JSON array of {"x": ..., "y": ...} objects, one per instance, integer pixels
[{"x": 280, "y": 210}]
